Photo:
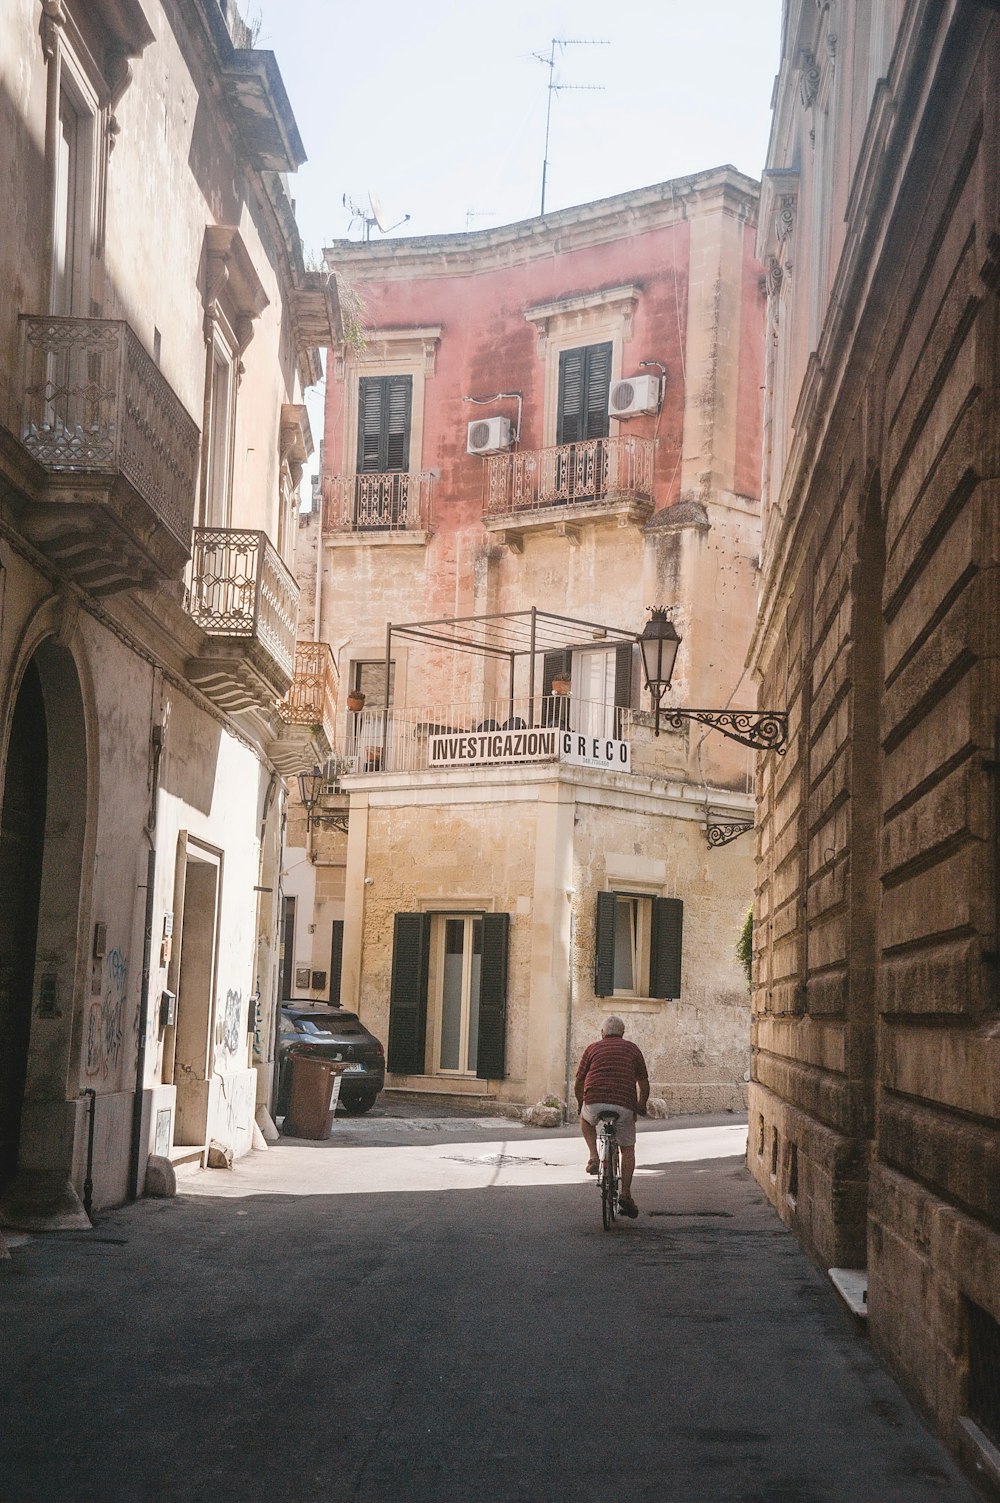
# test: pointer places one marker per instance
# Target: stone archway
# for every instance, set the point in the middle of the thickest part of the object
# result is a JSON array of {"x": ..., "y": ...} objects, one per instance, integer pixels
[
  {"x": 22, "y": 841},
  {"x": 43, "y": 819}
]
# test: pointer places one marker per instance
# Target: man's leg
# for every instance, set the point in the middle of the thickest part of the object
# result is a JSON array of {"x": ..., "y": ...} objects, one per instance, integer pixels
[
  {"x": 628, "y": 1169},
  {"x": 590, "y": 1136}
]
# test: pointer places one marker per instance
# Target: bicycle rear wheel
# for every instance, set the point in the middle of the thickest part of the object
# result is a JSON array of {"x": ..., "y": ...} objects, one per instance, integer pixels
[{"x": 609, "y": 1185}]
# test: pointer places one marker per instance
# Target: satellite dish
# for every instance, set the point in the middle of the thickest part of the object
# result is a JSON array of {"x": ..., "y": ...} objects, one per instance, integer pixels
[
  {"x": 378, "y": 212},
  {"x": 379, "y": 217}
]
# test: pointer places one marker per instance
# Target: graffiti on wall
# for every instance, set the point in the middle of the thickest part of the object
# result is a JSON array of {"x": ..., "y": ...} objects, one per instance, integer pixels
[
  {"x": 231, "y": 1032},
  {"x": 106, "y": 1018}
]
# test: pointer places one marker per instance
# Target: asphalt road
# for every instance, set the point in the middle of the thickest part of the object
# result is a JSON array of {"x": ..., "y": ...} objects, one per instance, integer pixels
[{"x": 427, "y": 1310}]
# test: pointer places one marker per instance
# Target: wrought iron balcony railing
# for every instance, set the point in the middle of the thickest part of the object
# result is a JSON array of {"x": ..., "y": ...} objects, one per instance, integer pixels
[
  {"x": 597, "y": 469},
  {"x": 246, "y": 601},
  {"x": 312, "y": 699},
  {"x": 387, "y": 501},
  {"x": 404, "y": 739},
  {"x": 108, "y": 429}
]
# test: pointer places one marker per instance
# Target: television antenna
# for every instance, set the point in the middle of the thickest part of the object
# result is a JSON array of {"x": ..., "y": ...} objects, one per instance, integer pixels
[
  {"x": 555, "y": 88},
  {"x": 374, "y": 214},
  {"x": 472, "y": 214}
]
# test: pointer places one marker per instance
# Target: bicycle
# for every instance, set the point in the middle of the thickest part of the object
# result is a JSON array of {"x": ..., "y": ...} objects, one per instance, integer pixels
[{"x": 608, "y": 1167}]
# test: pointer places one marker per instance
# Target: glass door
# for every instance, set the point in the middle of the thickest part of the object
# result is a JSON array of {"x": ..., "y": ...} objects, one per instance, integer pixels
[{"x": 457, "y": 1034}]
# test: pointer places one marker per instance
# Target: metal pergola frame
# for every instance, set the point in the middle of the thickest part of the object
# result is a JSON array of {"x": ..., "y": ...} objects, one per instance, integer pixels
[{"x": 504, "y": 634}]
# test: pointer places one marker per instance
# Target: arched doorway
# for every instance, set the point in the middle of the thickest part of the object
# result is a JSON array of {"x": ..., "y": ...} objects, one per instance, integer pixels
[
  {"x": 43, "y": 820},
  {"x": 22, "y": 844}
]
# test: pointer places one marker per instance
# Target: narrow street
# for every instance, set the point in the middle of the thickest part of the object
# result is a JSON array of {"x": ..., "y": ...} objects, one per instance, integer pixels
[{"x": 427, "y": 1308}]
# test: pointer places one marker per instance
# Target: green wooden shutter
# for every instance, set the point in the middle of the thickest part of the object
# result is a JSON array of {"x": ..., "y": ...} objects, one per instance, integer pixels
[
  {"x": 408, "y": 993},
  {"x": 572, "y": 373},
  {"x": 665, "y": 950},
  {"x": 604, "y": 946},
  {"x": 584, "y": 385},
  {"x": 598, "y": 389},
  {"x": 336, "y": 961},
  {"x": 491, "y": 1052},
  {"x": 384, "y": 404},
  {"x": 624, "y": 679}
]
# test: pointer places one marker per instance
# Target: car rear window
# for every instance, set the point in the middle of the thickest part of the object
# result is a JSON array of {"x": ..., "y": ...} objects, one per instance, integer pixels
[{"x": 339, "y": 1026}]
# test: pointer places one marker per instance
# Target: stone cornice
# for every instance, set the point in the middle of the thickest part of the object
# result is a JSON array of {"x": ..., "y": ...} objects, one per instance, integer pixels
[{"x": 721, "y": 189}]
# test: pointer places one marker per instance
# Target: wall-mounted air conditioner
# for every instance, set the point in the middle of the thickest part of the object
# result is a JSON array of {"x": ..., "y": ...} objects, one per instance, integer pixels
[
  {"x": 635, "y": 395},
  {"x": 488, "y": 435}
]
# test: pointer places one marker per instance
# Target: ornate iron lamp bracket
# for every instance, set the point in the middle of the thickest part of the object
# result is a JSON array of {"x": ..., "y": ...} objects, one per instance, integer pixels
[
  {"x": 761, "y": 730},
  {"x": 721, "y": 833}
]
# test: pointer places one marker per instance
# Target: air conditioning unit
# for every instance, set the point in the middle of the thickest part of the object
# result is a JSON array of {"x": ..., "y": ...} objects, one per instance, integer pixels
[
  {"x": 633, "y": 396},
  {"x": 488, "y": 435}
]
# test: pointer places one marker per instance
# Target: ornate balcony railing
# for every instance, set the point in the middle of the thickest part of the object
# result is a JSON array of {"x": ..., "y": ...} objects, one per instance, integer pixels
[
  {"x": 246, "y": 601},
  {"x": 597, "y": 469},
  {"x": 94, "y": 404},
  {"x": 387, "y": 501},
  {"x": 312, "y": 699}
]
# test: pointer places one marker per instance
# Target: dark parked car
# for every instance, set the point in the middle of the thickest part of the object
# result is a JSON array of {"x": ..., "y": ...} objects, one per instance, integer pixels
[{"x": 330, "y": 1033}]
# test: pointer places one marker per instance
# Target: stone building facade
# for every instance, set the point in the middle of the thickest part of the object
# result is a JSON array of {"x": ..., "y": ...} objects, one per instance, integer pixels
[
  {"x": 488, "y": 906},
  {"x": 875, "y": 1099},
  {"x": 156, "y": 334}
]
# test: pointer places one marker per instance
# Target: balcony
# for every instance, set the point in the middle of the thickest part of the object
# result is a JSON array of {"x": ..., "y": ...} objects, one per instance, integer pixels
[
  {"x": 560, "y": 487},
  {"x": 509, "y": 732},
  {"x": 246, "y": 603},
  {"x": 390, "y": 506},
  {"x": 117, "y": 450},
  {"x": 308, "y": 711}
]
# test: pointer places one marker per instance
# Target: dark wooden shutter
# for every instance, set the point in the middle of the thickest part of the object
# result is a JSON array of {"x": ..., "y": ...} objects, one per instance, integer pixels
[
  {"x": 336, "y": 961},
  {"x": 584, "y": 385},
  {"x": 408, "y": 993},
  {"x": 665, "y": 950},
  {"x": 624, "y": 679},
  {"x": 491, "y": 1053},
  {"x": 623, "y": 675},
  {"x": 384, "y": 404},
  {"x": 604, "y": 946}
]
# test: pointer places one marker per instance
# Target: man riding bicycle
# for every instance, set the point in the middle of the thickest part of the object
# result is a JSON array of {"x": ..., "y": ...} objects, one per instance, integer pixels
[{"x": 613, "y": 1078}]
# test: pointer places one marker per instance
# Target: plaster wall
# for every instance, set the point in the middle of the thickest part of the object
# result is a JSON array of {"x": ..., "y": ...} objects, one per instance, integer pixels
[{"x": 540, "y": 845}]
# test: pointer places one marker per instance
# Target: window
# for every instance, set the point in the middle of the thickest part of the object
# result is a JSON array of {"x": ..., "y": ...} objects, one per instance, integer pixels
[
  {"x": 385, "y": 405},
  {"x": 218, "y": 439},
  {"x": 448, "y": 996},
  {"x": 638, "y": 946},
  {"x": 584, "y": 386},
  {"x": 581, "y": 467},
  {"x": 75, "y": 168},
  {"x": 458, "y": 943},
  {"x": 602, "y": 684},
  {"x": 368, "y": 678}
]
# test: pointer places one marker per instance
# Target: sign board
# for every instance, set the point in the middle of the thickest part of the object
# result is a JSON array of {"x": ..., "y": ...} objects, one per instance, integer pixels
[
  {"x": 594, "y": 751},
  {"x": 537, "y": 744},
  {"x": 480, "y": 747}
]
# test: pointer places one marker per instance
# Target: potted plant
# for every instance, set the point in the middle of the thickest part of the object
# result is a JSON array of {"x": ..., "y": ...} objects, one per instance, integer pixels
[
  {"x": 561, "y": 683},
  {"x": 355, "y": 701}
]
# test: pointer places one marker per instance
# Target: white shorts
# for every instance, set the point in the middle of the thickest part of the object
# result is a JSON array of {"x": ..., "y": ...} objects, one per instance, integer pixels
[{"x": 625, "y": 1130}]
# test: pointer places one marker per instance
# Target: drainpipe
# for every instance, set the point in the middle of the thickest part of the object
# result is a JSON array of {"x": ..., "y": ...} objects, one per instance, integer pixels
[
  {"x": 570, "y": 895},
  {"x": 156, "y": 739}
]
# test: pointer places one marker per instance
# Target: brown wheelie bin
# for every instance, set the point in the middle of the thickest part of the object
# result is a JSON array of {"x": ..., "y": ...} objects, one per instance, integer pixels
[{"x": 315, "y": 1090}]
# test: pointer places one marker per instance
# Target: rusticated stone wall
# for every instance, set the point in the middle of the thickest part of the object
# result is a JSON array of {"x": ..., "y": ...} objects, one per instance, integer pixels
[{"x": 875, "y": 1099}]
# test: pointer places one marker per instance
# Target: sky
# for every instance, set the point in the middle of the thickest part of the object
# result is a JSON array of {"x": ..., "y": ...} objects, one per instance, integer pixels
[{"x": 439, "y": 108}]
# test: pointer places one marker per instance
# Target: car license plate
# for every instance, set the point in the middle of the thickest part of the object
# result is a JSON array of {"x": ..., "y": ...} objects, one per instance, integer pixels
[{"x": 354, "y": 1070}]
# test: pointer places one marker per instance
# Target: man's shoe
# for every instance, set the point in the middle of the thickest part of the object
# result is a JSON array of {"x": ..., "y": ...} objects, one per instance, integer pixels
[
  {"x": 628, "y": 1208},
  {"x": 592, "y": 1167}
]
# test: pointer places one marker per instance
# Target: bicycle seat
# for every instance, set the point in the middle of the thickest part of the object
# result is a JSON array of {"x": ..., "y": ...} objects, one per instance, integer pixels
[{"x": 607, "y": 1116}]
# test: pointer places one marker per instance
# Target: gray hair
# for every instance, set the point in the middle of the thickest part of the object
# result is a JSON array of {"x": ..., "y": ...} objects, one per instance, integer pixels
[{"x": 613, "y": 1027}]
